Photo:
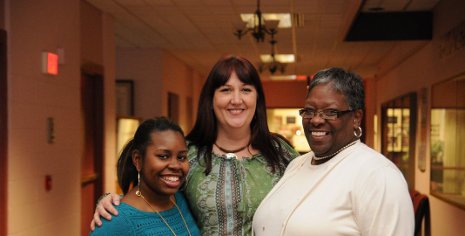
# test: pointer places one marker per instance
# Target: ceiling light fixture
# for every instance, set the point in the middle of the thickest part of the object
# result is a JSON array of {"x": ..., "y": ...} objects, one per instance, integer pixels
[
  {"x": 283, "y": 58},
  {"x": 258, "y": 28},
  {"x": 272, "y": 64},
  {"x": 272, "y": 67}
]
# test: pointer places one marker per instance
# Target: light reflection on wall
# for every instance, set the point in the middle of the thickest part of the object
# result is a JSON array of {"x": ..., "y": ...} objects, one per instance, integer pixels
[
  {"x": 288, "y": 123},
  {"x": 125, "y": 131}
]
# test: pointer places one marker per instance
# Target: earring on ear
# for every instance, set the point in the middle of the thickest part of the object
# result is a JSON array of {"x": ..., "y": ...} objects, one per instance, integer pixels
[
  {"x": 138, "y": 193},
  {"x": 360, "y": 132}
]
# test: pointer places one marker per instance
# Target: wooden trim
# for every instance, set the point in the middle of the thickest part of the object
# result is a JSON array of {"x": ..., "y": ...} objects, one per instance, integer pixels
[
  {"x": 92, "y": 170},
  {"x": 88, "y": 179},
  {"x": 3, "y": 134}
]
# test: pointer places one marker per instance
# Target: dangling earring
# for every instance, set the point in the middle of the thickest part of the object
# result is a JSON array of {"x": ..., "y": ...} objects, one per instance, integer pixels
[
  {"x": 138, "y": 185},
  {"x": 360, "y": 132}
]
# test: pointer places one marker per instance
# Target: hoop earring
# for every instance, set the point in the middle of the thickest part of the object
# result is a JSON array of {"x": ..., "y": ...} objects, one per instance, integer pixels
[
  {"x": 360, "y": 132},
  {"x": 138, "y": 185}
]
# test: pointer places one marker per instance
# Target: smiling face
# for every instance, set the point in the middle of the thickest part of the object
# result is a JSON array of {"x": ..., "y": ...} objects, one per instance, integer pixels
[
  {"x": 234, "y": 103},
  {"x": 165, "y": 165},
  {"x": 325, "y": 137}
]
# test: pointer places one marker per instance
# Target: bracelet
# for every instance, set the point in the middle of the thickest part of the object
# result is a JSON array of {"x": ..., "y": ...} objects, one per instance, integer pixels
[{"x": 102, "y": 197}]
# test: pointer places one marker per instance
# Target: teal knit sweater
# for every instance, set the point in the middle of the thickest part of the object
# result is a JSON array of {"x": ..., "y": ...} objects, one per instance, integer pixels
[{"x": 131, "y": 221}]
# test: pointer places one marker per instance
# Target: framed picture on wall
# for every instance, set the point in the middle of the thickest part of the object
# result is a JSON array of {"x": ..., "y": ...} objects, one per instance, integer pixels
[{"x": 124, "y": 98}]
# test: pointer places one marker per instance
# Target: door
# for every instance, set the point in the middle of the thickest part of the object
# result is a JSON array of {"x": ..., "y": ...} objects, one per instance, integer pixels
[
  {"x": 92, "y": 160},
  {"x": 3, "y": 133}
]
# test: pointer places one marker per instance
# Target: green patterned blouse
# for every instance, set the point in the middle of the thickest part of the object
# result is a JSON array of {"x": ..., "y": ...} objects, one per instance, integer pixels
[{"x": 225, "y": 201}]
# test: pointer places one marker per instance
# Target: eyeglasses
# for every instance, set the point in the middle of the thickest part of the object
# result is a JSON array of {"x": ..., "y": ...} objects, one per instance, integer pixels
[{"x": 329, "y": 114}]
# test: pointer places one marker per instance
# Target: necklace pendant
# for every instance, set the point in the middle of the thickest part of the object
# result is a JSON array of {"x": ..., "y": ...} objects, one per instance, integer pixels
[{"x": 229, "y": 156}]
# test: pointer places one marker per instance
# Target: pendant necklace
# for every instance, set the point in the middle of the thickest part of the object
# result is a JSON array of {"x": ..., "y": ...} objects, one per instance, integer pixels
[
  {"x": 139, "y": 194},
  {"x": 231, "y": 151},
  {"x": 230, "y": 154}
]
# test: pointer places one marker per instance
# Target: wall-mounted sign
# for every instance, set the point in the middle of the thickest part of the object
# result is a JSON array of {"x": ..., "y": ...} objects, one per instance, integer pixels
[{"x": 49, "y": 63}]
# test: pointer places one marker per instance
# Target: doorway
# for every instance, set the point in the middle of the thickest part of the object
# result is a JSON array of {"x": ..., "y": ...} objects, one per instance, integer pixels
[
  {"x": 399, "y": 122},
  {"x": 92, "y": 160},
  {"x": 3, "y": 133}
]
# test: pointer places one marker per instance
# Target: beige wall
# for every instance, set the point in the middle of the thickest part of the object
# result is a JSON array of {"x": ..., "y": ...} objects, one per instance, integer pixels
[
  {"x": 422, "y": 69},
  {"x": 155, "y": 73},
  {"x": 109, "y": 62},
  {"x": 198, "y": 81},
  {"x": 144, "y": 67},
  {"x": 32, "y": 98},
  {"x": 178, "y": 79}
]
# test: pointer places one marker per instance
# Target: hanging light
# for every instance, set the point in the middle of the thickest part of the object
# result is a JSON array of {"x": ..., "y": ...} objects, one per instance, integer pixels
[
  {"x": 259, "y": 29},
  {"x": 273, "y": 65}
]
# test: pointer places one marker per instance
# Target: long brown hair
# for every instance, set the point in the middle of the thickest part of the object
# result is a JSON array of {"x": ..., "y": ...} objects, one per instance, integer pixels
[{"x": 204, "y": 133}]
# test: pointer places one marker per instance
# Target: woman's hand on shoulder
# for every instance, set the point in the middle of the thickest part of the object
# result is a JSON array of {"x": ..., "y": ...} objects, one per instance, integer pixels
[{"x": 105, "y": 208}]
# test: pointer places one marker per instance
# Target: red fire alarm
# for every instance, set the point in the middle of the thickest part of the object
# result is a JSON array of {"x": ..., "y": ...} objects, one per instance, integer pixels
[{"x": 49, "y": 63}]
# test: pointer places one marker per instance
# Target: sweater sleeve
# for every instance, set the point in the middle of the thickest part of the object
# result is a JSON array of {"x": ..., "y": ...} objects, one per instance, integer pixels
[{"x": 382, "y": 204}]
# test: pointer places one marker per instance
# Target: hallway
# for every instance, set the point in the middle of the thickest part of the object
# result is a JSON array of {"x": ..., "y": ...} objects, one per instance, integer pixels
[{"x": 45, "y": 135}]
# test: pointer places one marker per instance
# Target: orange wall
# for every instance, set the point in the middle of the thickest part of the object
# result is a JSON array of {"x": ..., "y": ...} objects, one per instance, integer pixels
[{"x": 285, "y": 94}]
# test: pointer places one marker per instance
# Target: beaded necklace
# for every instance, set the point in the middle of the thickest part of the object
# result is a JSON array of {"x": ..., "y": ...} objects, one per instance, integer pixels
[{"x": 316, "y": 158}]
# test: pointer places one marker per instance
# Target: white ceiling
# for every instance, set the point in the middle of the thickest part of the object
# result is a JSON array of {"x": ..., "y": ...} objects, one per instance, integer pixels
[{"x": 199, "y": 32}]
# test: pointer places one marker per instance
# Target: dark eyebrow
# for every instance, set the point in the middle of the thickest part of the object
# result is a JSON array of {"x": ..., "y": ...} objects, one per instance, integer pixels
[{"x": 163, "y": 150}]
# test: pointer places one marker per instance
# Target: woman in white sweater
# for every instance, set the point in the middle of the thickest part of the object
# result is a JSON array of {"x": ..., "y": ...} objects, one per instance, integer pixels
[{"x": 341, "y": 187}]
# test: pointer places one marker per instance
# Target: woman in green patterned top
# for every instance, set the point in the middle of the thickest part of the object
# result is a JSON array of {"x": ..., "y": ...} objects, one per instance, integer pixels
[{"x": 235, "y": 160}]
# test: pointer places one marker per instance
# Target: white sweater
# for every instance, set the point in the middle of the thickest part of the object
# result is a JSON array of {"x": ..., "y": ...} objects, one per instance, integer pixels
[{"x": 357, "y": 192}]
